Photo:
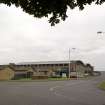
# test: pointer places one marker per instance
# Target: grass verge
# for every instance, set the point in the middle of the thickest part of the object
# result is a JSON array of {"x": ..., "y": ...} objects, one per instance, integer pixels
[
  {"x": 31, "y": 80},
  {"x": 57, "y": 79},
  {"x": 102, "y": 85}
]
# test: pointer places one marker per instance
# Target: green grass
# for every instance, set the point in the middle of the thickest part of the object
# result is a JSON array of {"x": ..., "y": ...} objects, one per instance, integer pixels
[
  {"x": 102, "y": 85},
  {"x": 58, "y": 79},
  {"x": 25, "y": 79},
  {"x": 49, "y": 79},
  {"x": 21, "y": 79}
]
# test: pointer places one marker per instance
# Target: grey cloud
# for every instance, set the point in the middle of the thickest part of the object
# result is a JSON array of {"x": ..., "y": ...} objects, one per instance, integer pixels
[{"x": 25, "y": 38}]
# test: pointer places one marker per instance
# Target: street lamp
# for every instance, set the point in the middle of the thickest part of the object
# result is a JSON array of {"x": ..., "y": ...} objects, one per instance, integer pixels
[{"x": 70, "y": 59}]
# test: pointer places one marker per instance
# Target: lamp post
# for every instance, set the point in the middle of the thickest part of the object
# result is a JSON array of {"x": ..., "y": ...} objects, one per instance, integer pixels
[
  {"x": 70, "y": 59},
  {"x": 69, "y": 64}
]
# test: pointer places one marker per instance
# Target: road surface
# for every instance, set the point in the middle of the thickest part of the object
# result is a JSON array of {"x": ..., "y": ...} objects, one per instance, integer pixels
[{"x": 72, "y": 92}]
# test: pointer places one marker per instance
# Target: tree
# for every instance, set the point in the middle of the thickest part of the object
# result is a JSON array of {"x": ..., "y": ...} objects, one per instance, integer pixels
[{"x": 55, "y": 10}]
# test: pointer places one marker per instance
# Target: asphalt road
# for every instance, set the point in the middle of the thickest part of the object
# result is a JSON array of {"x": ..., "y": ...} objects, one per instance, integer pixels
[{"x": 72, "y": 92}]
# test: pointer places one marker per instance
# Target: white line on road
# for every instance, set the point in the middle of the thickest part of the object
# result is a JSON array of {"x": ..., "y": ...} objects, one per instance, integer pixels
[{"x": 53, "y": 89}]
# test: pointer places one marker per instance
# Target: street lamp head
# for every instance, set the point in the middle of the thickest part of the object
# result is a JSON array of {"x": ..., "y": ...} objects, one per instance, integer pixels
[
  {"x": 73, "y": 48},
  {"x": 99, "y": 32}
]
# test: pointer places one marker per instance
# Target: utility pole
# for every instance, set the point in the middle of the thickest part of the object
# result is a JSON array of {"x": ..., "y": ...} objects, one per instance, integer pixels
[{"x": 69, "y": 63}]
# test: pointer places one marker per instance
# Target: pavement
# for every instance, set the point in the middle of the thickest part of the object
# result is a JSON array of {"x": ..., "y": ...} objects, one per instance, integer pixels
[{"x": 71, "y": 92}]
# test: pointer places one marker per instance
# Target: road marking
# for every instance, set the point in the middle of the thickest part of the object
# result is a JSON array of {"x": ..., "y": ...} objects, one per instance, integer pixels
[
  {"x": 53, "y": 89},
  {"x": 59, "y": 86}
]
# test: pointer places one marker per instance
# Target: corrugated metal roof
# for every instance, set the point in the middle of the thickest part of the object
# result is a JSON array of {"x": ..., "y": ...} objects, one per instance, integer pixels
[
  {"x": 51, "y": 62},
  {"x": 44, "y": 62}
]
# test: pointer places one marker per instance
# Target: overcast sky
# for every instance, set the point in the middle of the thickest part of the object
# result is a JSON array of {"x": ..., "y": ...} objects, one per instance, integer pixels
[{"x": 24, "y": 38}]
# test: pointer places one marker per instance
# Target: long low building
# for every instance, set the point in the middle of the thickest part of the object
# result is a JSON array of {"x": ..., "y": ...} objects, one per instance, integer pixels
[
  {"x": 49, "y": 68},
  {"x": 59, "y": 67}
]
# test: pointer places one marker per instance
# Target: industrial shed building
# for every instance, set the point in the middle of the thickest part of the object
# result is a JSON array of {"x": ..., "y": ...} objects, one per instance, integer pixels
[{"x": 49, "y": 68}]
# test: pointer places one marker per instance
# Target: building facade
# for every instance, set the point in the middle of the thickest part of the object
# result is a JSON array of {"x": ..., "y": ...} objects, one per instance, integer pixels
[
  {"x": 49, "y": 68},
  {"x": 59, "y": 68}
]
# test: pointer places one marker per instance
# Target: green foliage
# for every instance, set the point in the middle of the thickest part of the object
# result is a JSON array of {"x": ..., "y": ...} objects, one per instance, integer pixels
[{"x": 55, "y": 10}]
